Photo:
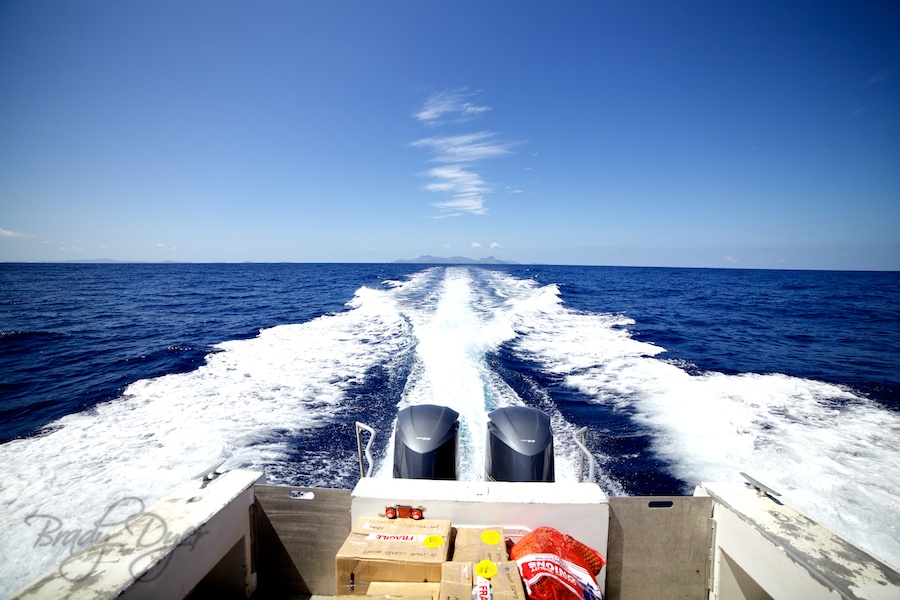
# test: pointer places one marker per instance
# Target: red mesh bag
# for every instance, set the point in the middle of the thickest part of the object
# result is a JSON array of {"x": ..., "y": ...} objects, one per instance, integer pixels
[{"x": 555, "y": 566}]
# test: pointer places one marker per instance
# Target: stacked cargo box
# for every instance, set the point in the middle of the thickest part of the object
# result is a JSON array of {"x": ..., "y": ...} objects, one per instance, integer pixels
[{"x": 423, "y": 560}]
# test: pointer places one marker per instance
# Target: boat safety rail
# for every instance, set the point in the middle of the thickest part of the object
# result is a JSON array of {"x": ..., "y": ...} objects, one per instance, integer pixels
[
  {"x": 580, "y": 438},
  {"x": 363, "y": 471}
]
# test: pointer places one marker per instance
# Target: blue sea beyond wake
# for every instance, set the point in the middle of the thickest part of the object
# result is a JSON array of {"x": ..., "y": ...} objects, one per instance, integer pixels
[{"x": 121, "y": 380}]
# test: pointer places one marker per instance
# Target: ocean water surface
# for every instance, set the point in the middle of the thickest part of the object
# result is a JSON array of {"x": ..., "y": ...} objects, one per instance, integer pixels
[{"x": 125, "y": 380}]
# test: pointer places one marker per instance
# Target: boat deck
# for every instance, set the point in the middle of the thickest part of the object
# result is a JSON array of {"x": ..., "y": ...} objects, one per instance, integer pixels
[{"x": 229, "y": 535}]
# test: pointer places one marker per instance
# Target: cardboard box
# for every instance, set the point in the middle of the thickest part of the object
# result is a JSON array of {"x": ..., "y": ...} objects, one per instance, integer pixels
[
  {"x": 497, "y": 581},
  {"x": 456, "y": 581},
  {"x": 477, "y": 544},
  {"x": 391, "y": 550},
  {"x": 380, "y": 597},
  {"x": 404, "y": 590},
  {"x": 507, "y": 583}
]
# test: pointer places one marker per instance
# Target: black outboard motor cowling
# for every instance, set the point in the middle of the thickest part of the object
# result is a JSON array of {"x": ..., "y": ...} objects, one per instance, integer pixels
[
  {"x": 426, "y": 443},
  {"x": 519, "y": 445}
]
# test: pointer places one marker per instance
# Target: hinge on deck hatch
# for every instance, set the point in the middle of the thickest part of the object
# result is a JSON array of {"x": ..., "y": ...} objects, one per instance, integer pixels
[
  {"x": 254, "y": 538},
  {"x": 711, "y": 558}
]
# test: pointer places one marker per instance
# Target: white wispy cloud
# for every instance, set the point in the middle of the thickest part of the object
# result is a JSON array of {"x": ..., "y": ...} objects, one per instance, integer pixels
[
  {"x": 476, "y": 245},
  {"x": 8, "y": 233},
  {"x": 495, "y": 245},
  {"x": 459, "y": 155},
  {"x": 450, "y": 105},
  {"x": 466, "y": 189},
  {"x": 882, "y": 75},
  {"x": 465, "y": 148},
  {"x": 75, "y": 246}
]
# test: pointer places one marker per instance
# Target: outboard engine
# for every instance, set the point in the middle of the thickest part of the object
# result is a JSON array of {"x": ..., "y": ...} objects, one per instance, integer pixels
[
  {"x": 426, "y": 443},
  {"x": 519, "y": 445}
]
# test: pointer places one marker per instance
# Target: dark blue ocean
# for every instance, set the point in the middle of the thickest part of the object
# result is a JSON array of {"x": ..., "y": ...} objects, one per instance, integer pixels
[{"x": 131, "y": 378}]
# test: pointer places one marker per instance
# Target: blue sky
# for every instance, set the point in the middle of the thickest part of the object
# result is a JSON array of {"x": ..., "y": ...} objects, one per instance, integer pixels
[{"x": 707, "y": 134}]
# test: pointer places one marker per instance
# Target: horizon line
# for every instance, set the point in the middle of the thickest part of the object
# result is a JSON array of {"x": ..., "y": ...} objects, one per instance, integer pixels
[{"x": 413, "y": 262}]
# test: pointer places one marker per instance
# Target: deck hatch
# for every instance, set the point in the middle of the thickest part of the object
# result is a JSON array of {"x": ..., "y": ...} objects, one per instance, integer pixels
[{"x": 658, "y": 547}]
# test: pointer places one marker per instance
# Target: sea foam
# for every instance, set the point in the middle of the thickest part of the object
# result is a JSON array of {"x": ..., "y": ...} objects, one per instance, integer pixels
[{"x": 829, "y": 451}]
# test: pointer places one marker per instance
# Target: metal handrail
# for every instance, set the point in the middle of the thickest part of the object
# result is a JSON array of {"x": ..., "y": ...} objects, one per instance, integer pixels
[
  {"x": 584, "y": 453},
  {"x": 363, "y": 472}
]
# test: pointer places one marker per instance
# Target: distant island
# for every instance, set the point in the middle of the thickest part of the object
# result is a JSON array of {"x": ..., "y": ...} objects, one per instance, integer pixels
[{"x": 456, "y": 260}]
